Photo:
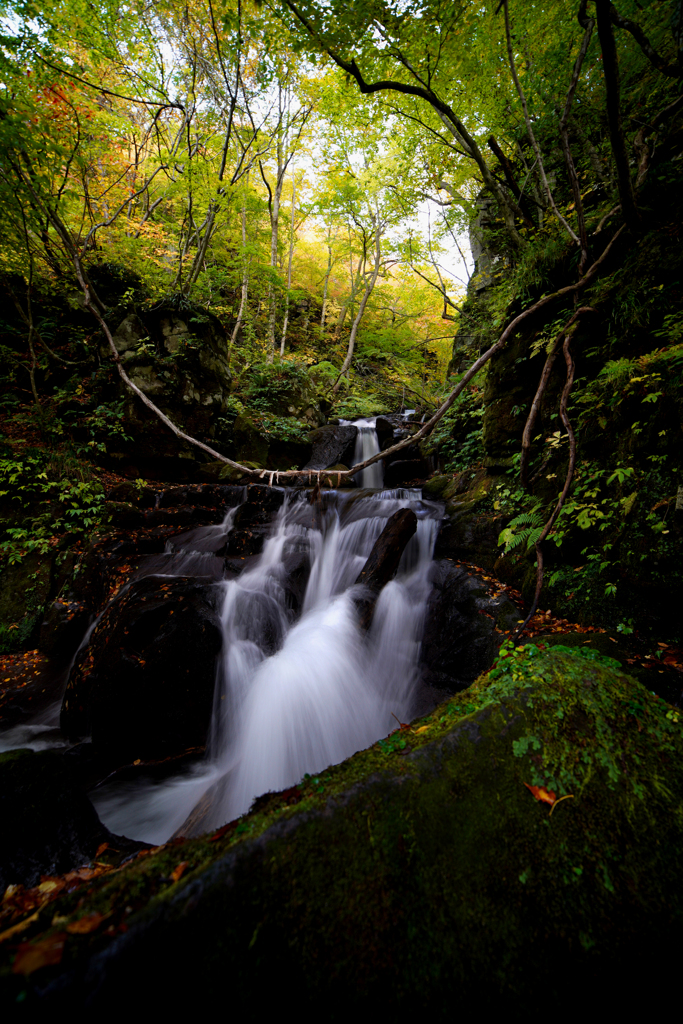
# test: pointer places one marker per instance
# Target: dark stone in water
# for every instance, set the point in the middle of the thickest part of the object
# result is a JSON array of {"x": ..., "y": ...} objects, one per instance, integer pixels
[
  {"x": 332, "y": 446},
  {"x": 383, "y": 560},
  {"x": 251, "y": 525},
  {"x": 143, "y": 686},
  {"x": 48, "y": 825}
]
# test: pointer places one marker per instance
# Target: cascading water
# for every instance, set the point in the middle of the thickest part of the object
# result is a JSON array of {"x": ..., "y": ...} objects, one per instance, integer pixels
[
  {"x": 367, "y": 445},
  {"x": 193, "y": 556},
  {"x": 300, "y": 686}
]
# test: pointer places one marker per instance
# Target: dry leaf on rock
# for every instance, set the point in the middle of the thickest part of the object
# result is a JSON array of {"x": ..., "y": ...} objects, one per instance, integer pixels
[{"x": 33, "y": 955}]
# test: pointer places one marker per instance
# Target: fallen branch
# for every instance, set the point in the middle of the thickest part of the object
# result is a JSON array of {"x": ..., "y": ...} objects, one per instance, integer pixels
[{"x": 425, "y": 430}]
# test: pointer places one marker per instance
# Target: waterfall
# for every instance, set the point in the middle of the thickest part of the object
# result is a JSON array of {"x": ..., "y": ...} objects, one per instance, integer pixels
[
  {"x": 367, "y": 445},
  {"x": 299, "y": 686}
]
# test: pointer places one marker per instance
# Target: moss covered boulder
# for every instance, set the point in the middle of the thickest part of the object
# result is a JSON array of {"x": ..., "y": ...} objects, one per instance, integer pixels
[{"x": 515, "y": 850}]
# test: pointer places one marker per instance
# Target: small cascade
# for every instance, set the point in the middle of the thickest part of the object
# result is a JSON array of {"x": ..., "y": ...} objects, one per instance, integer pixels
[
  {"x": 367, "y": 445},
  {"x": 300, "y": 686},
  {"x": 189, "y": 554}
]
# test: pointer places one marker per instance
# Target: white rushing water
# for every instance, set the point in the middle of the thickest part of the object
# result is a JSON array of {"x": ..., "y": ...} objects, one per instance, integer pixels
[
  {"x": 367, "y": 445},
  {"x": 296, "y": 692}
]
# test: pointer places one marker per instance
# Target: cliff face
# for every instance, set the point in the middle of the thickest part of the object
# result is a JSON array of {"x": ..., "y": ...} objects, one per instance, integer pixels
[{"x": 613, "y": 558}]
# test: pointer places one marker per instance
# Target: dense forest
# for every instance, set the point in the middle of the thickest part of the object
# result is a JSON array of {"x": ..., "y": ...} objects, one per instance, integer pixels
[{"x": 236, "y": 238}]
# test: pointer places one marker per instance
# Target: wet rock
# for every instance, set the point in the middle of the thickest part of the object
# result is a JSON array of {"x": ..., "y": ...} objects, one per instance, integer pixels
[
  {"x": 464, "y": 627},
  {"x": 127, "y": 492},
  {"x": 383, "y": 560},
  {"x": 252, "y": 522},
  {"x": 143, "y": 686},
  {"x": 453, "y": 885},
  {"x": 332, "y": 445},
  {"x": 405, "y": 471},
  {"x": 385, "y": 432},
  {"x": 250, "y": 444},
  {"x": 48, "y": 825},
  {"x": 63, "y": 629},
  {"x": 436, "y": 485},
  {"x": 297, "y": 569}
]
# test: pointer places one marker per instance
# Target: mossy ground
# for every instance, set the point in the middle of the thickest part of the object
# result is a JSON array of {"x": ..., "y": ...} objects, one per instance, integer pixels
[{"x": 421, "y": 870}]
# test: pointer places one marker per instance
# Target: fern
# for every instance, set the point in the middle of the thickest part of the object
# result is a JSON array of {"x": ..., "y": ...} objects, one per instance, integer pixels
[{"x": 523, "y": 529}]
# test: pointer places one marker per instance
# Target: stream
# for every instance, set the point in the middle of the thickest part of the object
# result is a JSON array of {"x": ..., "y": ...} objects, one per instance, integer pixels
[{"x": 297, "y": 688}]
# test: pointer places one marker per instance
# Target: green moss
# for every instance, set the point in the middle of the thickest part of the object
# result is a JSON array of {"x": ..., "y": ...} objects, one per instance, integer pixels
[{"x": 422, "y": 869}]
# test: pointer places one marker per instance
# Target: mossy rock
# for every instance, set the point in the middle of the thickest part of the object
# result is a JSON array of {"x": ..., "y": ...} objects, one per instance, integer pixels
[
  {"x": 436, "y": 485},
  {"x": 251, "y": 446},
  {"x": 421, "y": 874},
  {"x": 219, "y": 472}
]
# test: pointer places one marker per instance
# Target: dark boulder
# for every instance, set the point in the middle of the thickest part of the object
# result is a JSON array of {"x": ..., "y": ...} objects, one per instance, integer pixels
[
  {"x": 252, "y": 522},
  {"x": 48, "y": 825},
  {"x": 421, "y": 875},
  {"x": 404, "y": 471},
  {"x": 176, "y": 354},
  {"x": 332, "y": 445},
  {"x": 383, "y": 560},
  {"x": 463, "y": 627},
  {"x": 385, "y": 432},
  {"x": 143, "y": 685},
  {"x": 63, "y": 629}
]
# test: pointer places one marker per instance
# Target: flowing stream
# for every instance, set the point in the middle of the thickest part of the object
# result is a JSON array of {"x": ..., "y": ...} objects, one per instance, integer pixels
[
  {"x": 300, "y": 685},
  {"x": 296, "y": 693}
]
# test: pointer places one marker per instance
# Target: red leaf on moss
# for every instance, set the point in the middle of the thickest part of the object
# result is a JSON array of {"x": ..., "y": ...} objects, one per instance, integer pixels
[{"x": 546, "y": 796}]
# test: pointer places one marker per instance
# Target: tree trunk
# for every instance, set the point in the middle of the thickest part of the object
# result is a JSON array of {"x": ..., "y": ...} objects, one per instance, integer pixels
[
  {"x": 289, "y": 270},
  {"x": 327, "y": 279},
  {"x": 245, "y": 278},
  {"x": 361, "y": 309},
  {"x": 610, "y": 65}
]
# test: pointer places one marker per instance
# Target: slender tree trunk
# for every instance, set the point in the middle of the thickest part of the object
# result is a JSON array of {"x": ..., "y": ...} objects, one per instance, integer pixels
[
  {"x": 530, "y": 132},
  {"x": 289, "y": 270},
  {"x": 327, "y": 279},
  {"x": 361, "y": 309},
  {"x": 610, "y": 66},
  {"x": 245, "y": 278}
]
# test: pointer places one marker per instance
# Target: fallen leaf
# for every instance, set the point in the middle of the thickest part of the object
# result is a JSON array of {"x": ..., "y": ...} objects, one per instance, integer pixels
[
  {"x": 100, "y": 849},
  {"x": 51, "y": 886},
  {"x": 33, "y": 955},
  {"x": 541, "y": 793},
  {"x": 423, "y": 728},
  {"x": 86, "y": 925},
  {"x": 179, "y": 871},
  {"x": 17, "y": 928}
]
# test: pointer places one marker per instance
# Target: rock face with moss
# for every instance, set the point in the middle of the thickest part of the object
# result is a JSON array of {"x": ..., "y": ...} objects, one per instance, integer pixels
[
  {"x": 514, "y": 849},
  {"x": 178, "y": 355}
]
